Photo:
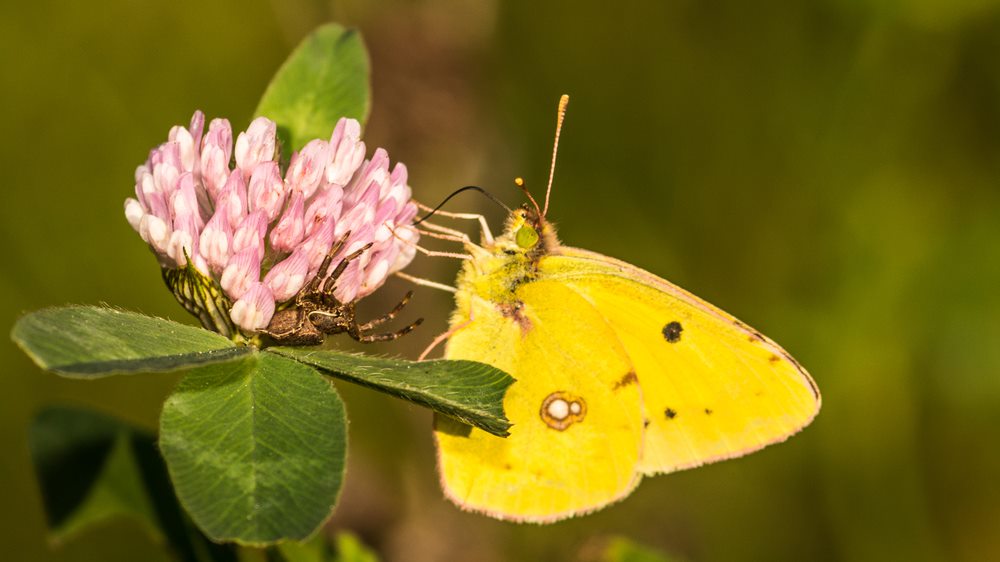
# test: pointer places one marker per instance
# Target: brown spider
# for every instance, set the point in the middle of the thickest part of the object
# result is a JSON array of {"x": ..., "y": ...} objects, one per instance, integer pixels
[{"x": 316, "y": 313}]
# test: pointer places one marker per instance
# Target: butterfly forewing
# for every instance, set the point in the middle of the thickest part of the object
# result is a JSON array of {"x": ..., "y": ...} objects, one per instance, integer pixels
[{"x": 713, "y": 388}]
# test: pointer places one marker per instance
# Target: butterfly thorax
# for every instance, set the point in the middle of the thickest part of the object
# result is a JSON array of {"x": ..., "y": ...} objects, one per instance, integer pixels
[{"x": 497, "y": 270}]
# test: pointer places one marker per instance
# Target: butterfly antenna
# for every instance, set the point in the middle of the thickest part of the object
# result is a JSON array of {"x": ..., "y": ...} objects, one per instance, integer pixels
[
  {"x": 563, "y": 102},
  {"x": 519, "y": 182},
  {"x": 488, "y": 195}
]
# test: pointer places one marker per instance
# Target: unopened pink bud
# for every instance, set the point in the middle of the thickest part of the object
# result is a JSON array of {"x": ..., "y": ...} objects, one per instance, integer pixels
[
  {"x": 155, "y": 232},
  {"x": 250, "y": 234},
  {"x": 349, "y": 283},
  {"x": 256, "y": 145},
  {"x": 253, "y": 311},
  {"x": 188, "y": 142},
  {"x": 242, "y": 270},
  {"x": 374, "y": 171},
  {"x": 266, "y": 191},
  {"x": 396, "y": 188},
  {"x": 144, "y": 185},
  {"x": 358, "y": 239},
  {"x": 183, "y": 242},
  {"x": 287, "y": 277},
  {"x": 325, "y": 206},
  {"x": 233, "y": 199},
  {"x": 406, "y": 240},
  {"x": 133, "y": 213},
  {"x": 156, "y": 204},
  {"x": 290, "y": 229},
  {"x": 166, "y": 167},
  {"x": 185, "y": 145},
  {"x": 306, "y": 168},
  {"x": 317, "y": 245},
  {"x": 215, "y": 154},
  {"x": 377, "y": 272},
  {"x": 215, "y": 242},
  {"x": 184, "y": 201},
  {"x": 347, "y": 151},
  {"x": 370, "y": 196},
  {"x": 360, "y": 215},
  {"x": 196, "y": 128},
  {"x": 384, "y": 222},
  {"x": 179, "y": 247},
  {"x": 408, "y": 213}
]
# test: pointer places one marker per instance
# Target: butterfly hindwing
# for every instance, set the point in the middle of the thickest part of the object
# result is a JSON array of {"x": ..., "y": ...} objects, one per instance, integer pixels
[
  {"x": 576, "y": 409},
  {"x": 713, "y": 388}
]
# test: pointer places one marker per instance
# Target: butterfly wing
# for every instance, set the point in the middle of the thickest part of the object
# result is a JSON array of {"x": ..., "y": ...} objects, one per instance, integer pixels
[
  {"x": 713, "y": 387},
  {"x": 576, "y": 412}
]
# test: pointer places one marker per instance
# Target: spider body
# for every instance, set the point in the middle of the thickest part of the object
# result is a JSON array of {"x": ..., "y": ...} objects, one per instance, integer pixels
[{"x": 316, "y": 312}]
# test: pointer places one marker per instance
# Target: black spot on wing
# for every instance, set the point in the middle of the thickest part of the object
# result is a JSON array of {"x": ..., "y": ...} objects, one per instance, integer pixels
[
  {"x": 672, "y": 331},
  {"x": 670, "y": 413},
  {"x": 708, "y": 411}
]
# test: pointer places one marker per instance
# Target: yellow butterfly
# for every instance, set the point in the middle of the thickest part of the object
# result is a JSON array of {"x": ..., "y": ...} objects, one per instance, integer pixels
[{"x": 620, "y": 374}]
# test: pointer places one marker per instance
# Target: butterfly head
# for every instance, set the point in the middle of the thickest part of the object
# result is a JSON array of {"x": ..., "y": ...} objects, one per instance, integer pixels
[{"x": 527, "y": 232}]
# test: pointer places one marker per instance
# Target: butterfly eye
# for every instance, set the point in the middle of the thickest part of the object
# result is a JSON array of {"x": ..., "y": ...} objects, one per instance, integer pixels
[{"x": 526, "y": 237}]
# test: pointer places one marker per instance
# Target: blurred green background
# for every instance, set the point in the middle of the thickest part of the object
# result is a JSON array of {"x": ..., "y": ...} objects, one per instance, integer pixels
[{"x": 828, "y": 171}]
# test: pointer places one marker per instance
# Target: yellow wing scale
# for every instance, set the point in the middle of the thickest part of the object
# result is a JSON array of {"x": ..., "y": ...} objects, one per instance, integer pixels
[{"x": 541, "y": 473}]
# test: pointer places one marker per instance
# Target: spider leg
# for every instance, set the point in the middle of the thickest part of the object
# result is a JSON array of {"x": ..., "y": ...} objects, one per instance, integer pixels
[
  {"x": 369, "y": 338},
  {"x": 313, "y": 285},
  {"x": 387, "y": 316},
  {"x": 339, "y": 270}
]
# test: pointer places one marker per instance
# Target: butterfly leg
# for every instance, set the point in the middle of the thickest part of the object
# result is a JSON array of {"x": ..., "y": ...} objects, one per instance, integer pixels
[
  {"x": 487, "y": 235},
  {"x": 436, "y": 254},
  {"x": 387, "y": 316},
  {"x": 437, "y": 341},
  {"x": 433, "y": 253},
  {"x": 456, "y": 234},
  {"x": 425, "y": 282},
  {"x": 460, "y": 237}
]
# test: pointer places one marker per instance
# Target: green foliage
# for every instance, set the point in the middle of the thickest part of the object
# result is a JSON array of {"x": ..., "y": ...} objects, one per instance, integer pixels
[
  {"x": 255, "y": 442},
  {"x": 256, "y": 448},
  {"x": 621, "y": 549},
  {"x": 324, "y": 79},
  {"x": 827, "y": 171},
  {"x": 344, "y": 548},
  {"x": 87, "y": 470},
  {"x": 350, "y": 549},
  {"x": 463, "y": 390},
  {"x": 92, "y": 468},
  {"x": 92, "y": 341}
]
